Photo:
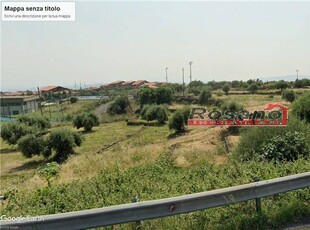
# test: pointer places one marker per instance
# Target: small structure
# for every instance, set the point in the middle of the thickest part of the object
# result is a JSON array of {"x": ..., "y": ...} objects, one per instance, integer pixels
[{"x": 14, "y": 105}]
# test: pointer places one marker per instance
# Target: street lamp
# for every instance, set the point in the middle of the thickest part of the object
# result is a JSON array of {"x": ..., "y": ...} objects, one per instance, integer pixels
[
  {"x": 190, "y": 71},
  {"x": 166, "y": 74},
  {"x": 297, "y": 73},
  {"x": 183, "y": 76},
  {"x": 183, "y": 80}
]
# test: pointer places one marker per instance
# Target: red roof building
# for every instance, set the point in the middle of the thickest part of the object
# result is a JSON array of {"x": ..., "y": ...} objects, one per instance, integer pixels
[
  {"x": 139, "y": 83},
  {"x": 51, "y": 89}
]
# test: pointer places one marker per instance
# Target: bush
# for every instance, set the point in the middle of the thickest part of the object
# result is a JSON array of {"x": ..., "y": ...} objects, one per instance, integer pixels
[
  {"x": 301, "y": 108},
  {"x": 253, "y": 88},
  {"x": 155, "y": 112},
  {"x": 41, "y": 123},
  {"x": 282, "y": 85},
  {"x": 196, "y": 83},
  {"x": 147, "y": 95},
  {"x": 31, "y": 145},
  {"x": 144, "y": 110},
  {"x": 286, "y": 147},
  {"x": 204, "y": 96},
  {"x": 186, "y": 111},
  {"x": 195, "y": 90},
  {"x": 289, "y": 95},
  {"x": 13, "y": 131},
  {"x": 49, "y": 171},
  {"x": 86, "y": 120},
  {"x": 164, "y": 95},
  {"x": 219, "y": 93},
  {"x": 226, "y": 88},
  {"x": 252, "y": 139},
  {"x": 73, "y": 100},
  {"x": 177, "y": 122},
  {"x": 63, "y": 142},
  {"x": 233, "y": 106},
  {"x": 119, "y": 105},
  {"x": 161, "y": 95}
]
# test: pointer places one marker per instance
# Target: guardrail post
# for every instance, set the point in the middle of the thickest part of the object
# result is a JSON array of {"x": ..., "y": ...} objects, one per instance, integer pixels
[
  {"x": 258, "y": 201},
  {"x": 138, "y": 224}
]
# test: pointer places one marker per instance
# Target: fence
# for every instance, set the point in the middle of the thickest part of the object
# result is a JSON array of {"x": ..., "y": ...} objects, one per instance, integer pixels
[{"x": 163, "y": 207}]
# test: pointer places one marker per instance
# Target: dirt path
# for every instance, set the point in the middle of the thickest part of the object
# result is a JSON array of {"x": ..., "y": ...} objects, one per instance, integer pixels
[{"x": 102, "y": 109}]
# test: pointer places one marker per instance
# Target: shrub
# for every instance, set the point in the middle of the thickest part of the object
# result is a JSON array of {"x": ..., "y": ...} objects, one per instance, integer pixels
[
  {"x": 90, "y": 120},
  {"x": 204, "y": 96},
  {"x": 119, "y": 105},
  {"x": 161, "y": 95},
  {"x": 49, "y": 171},
  {"x": 233, "y": 106},
  {"x": 301, "y": 108},
  {"x": 78, "y": 120},
  {"x": 164, "y": 95},
  {"x": 85, "y": 120},
  {"x": 196, "y": 83},
  {"x": 73, "y": 99},
  {"x": 253, "y": 88},
  {"x": 195, "y": 90},
  {"x": 147, "y": 95},
  {"x": 219, "y": 93},
  {"x": 63, "y": 142},
  {"x": 37, "y": 121},
  {"x": 155, "y": 112},
  {"x": 252, "y": 139},
  {"x": 177, "y": 122},
  {"x": 144, "y": 110},
  {"x": 186, "y": 111},
  {"x": 289, "y": 95},
  {"x": 31, "y": 145},
  {"x": 282, "y": 85},
  {"x": 288, "y": 146},
  {"x": 226, "y": 88},
  {"x": 13, "y": 131}
]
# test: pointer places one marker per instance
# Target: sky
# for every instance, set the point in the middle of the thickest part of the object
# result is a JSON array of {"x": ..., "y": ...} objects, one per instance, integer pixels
[{"x": 112, "y": 41}]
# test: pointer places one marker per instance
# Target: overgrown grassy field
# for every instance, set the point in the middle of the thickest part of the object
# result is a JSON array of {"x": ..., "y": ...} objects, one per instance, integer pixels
[{"x": 150, "y": 164}]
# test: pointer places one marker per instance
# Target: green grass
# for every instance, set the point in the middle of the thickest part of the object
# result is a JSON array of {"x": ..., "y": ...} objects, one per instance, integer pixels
[
  {"x": 162, "y": 179},
  {"x": 151, "y": 166}
]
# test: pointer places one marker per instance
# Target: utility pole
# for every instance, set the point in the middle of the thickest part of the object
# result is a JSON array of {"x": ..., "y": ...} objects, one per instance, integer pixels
[
  {"x": 297, "y": 73},
  {"x": 183, "y": 80},
  {"x": 190, "y": 71},
  {"x": 40, "y": 105},
  {"x": 183, "y": 76},
  {"x": 166, "y": 74}
]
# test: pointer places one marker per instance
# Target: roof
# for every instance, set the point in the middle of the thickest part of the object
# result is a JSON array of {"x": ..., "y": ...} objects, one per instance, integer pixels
[
  {"x": 13, "y": 94},
  {"x": 128, "y": 83},
  {"x": 140, "y": 82},
  {"x": 49, "y": 88},
  {"x": 117, "y": 83},
  {"x": 25, "y": 98}
]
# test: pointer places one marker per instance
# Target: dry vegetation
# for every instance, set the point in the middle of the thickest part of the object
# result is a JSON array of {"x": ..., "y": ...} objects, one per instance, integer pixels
[{"x": 194, "y": 148}]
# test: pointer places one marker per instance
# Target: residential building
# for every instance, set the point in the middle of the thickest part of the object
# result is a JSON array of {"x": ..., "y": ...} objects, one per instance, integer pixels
[{"x": 14, "y": 105}]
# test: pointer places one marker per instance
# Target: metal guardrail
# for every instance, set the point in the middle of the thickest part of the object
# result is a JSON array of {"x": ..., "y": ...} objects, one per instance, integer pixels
[{"x": 164, "y": 207}]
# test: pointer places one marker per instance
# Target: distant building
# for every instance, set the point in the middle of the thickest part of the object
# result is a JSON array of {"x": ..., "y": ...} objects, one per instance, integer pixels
[
  {"x": 127, "y": 83},
  {"x": 14, "y": 105},
  {"x": 139, "y": 83},
  {"x": 53, "y": 89}
]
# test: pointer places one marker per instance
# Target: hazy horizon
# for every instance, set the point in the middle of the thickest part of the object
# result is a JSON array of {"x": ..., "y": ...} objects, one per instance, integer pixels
[{"x": 112, "y": 41}]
